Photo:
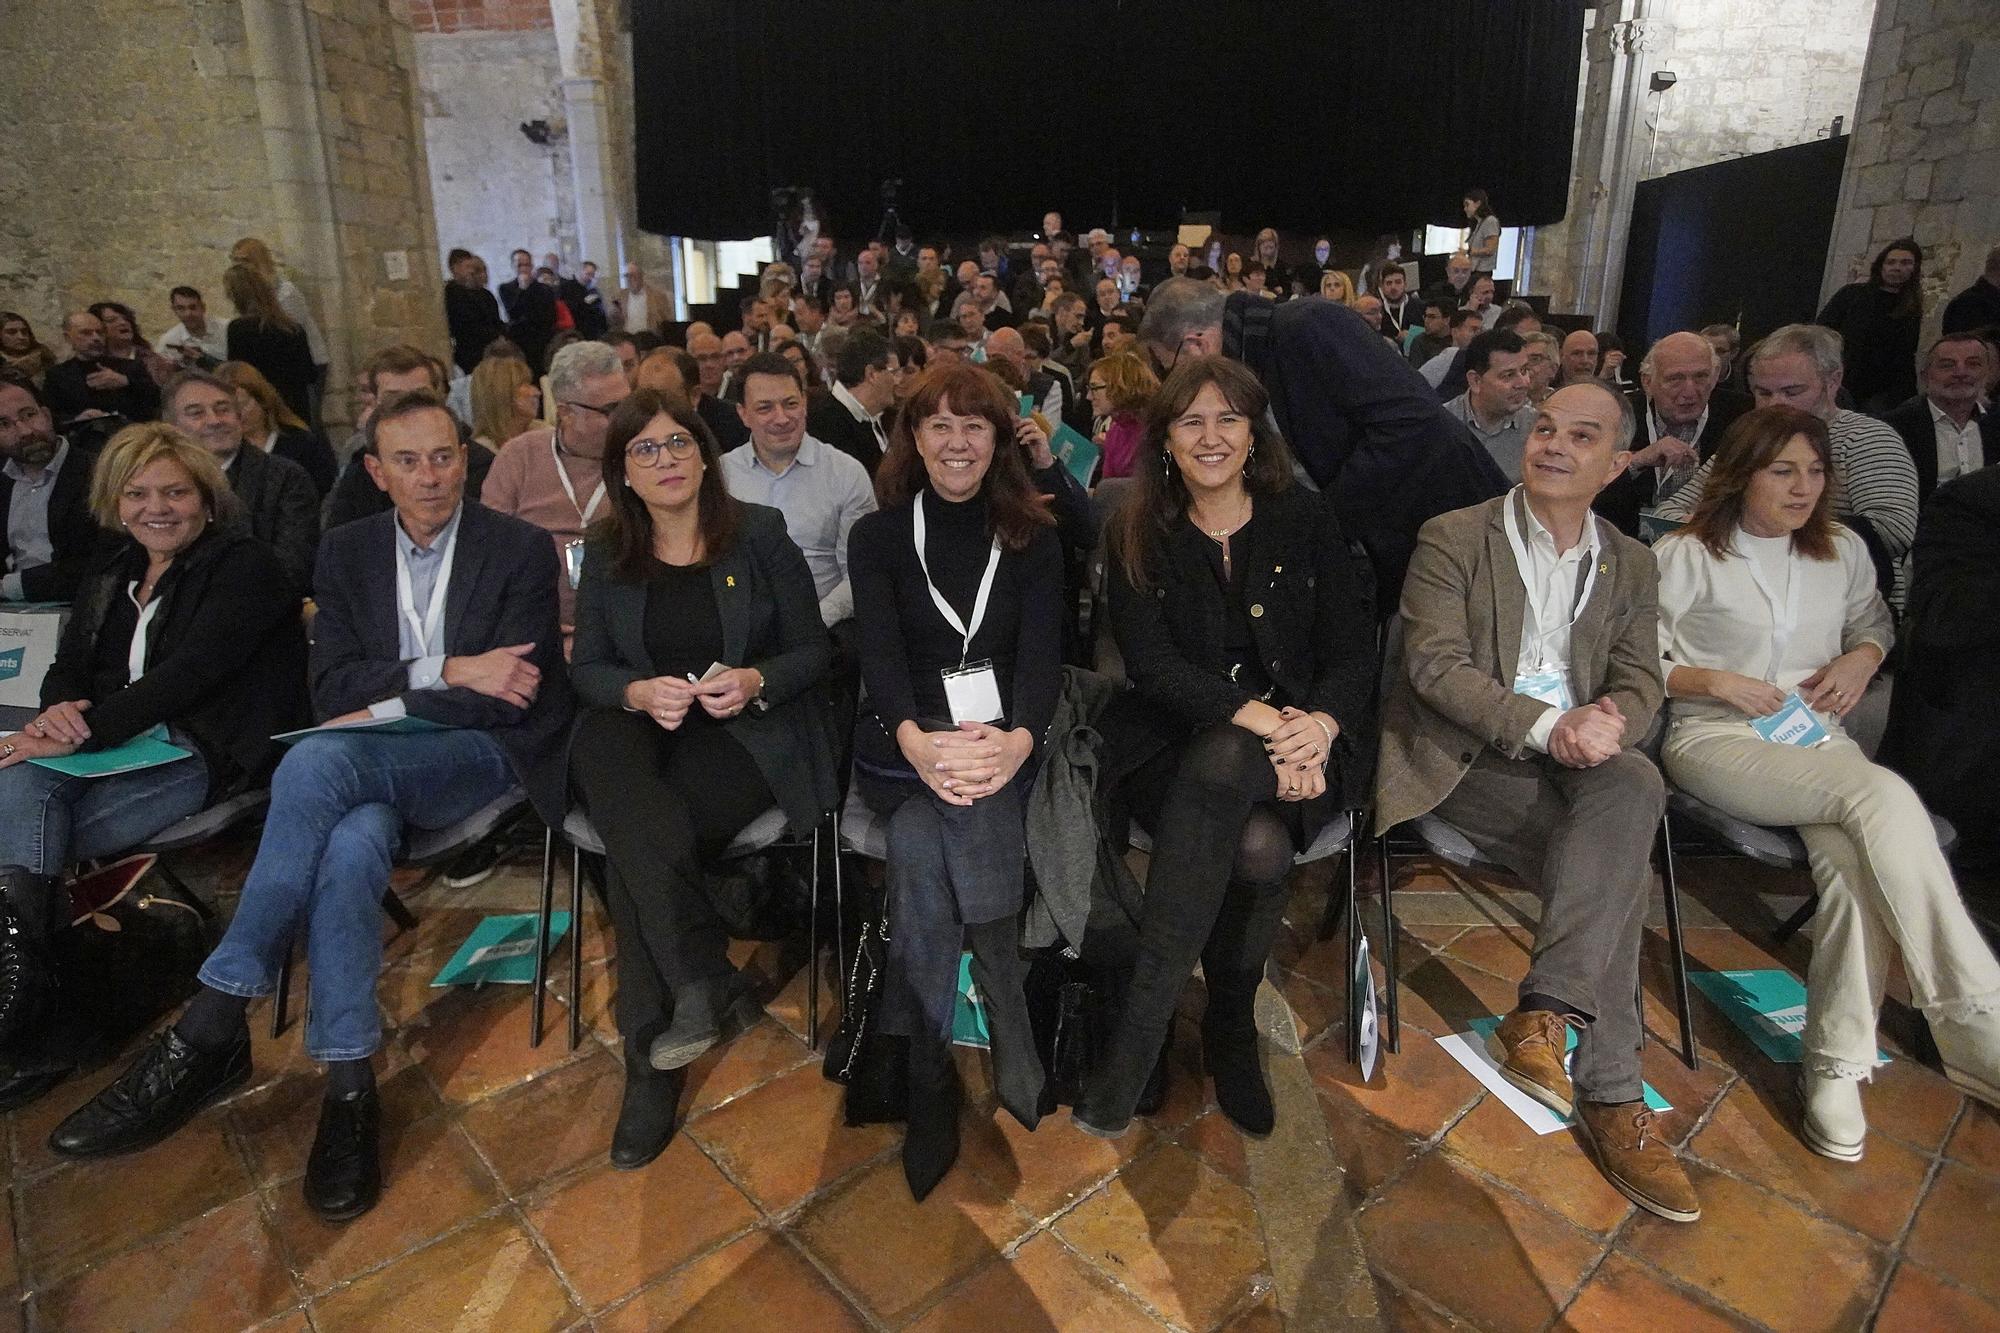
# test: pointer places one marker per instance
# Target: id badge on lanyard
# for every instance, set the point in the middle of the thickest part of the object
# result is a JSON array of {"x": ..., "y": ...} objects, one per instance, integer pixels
[
  {"x": 1548, "y": 684},
  {"x": 971, "y": 689},
  {"x": 573, "y": 562},
  {"x": 973, "y": 693}
]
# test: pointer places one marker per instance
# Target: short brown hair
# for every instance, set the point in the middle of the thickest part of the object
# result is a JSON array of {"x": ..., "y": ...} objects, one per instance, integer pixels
[
  {"x": 1016, "y": 509},
  {"x": 405, "y": 405},
  {"x": 1747, "y": 448},
  {"x": 134, "y": 449},
  {"x": 401, "y": 359}
]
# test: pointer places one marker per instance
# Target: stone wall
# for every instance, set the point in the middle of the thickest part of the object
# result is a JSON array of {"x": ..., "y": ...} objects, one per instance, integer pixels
[
  {"x": 1753, "y": 76},
  {"x": 202, "y": 121},
  {"x": 491, "y": 188},
  {"x": 486, "y": 66},
  {"x": 1925, "y": 161}
]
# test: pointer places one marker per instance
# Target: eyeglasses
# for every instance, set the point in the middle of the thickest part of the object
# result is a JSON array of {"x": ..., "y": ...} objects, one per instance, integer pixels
[
  {"x": 646, "y": 453},
  {"x": 593, "y": 407},
  {"x": 1094, "y": 388}
]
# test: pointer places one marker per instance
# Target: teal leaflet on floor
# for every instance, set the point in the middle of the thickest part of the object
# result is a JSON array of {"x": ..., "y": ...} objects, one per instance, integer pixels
[
  {"x": 1767, "y": 1005},
  {"x": 500, "y": 949}
]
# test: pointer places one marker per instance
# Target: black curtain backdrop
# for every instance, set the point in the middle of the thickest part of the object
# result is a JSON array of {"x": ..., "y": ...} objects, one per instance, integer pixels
[
  {"x": 1371, "y": 116},
  {"x": 1700, "y": 252}
]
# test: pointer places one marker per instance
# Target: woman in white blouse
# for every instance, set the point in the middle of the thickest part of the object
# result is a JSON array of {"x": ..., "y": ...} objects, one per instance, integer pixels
[{"x": 1763, "y": 600}]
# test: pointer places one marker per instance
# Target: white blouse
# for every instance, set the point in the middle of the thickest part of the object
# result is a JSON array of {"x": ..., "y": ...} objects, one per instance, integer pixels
[{"x": 1765, "y": 611}]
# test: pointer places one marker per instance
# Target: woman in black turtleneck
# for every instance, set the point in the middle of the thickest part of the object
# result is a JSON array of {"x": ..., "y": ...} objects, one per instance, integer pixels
[{"x": 952, "y": 756}]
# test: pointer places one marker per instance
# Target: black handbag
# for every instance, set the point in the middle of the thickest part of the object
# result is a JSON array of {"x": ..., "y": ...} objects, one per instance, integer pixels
[
  {"x": 874, "y": 1067},
  {"x": 124, "y": 960}
]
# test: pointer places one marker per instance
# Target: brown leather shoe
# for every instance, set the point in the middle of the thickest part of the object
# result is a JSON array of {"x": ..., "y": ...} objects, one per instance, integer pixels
[
  {"x": 1636, "y": 1161},
  {"x": 1528, "y": 1045}
]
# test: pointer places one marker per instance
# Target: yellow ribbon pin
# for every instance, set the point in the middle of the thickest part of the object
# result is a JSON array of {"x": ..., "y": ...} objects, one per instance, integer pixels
[{"x": 729, "y": 580}]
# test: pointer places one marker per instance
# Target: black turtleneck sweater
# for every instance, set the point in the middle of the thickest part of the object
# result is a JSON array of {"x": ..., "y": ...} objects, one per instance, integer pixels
[{"x": 906, "y": 643}]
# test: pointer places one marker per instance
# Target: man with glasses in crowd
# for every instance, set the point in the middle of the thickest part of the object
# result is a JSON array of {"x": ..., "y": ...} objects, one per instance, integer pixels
[{"x": 552, "y": 477}]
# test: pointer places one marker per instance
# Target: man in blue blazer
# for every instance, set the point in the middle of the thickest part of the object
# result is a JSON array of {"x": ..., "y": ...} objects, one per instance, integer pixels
[{"x": 440, "y": 614}]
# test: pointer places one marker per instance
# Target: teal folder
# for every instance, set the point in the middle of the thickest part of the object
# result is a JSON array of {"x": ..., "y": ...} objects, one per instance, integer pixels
[
  {"x": 1076, "y": 453},
  {"x": 380, "y": 726},
  {"x": 500, "y": 949},
  {"x": 147, "y": 750}
]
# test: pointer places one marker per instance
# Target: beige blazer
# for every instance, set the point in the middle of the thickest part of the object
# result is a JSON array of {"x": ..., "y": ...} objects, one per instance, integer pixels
[{"x": 1452, "y": 694}]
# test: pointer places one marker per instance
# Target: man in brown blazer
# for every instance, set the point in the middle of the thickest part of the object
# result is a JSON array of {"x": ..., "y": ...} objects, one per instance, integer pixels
[{"x": 1530, "y": 669}]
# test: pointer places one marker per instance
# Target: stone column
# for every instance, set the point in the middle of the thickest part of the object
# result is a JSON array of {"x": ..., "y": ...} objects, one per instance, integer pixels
[
  {"x": 584, "y": 28},
  {"x": 285, "y": 73},
  {"x": 1610, "y": 155}
]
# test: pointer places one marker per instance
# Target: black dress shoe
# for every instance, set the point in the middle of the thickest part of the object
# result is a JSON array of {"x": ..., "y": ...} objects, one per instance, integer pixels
[
  {"x": 344, "y": 1172},
  {"x": 647, "y": 1117},
  {"x": 160, "y": 1091}
]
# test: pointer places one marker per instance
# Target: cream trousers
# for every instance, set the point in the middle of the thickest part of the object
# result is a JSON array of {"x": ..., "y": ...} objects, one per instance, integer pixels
[{"x": 1882, "y": 881}]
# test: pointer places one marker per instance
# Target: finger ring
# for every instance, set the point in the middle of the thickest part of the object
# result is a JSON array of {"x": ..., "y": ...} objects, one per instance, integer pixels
[
  {"x": 36, "y": 727},
  {"x": 6, "y": 749}
]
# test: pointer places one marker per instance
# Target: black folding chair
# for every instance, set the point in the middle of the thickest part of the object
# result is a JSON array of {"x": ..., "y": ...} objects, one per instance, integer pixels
[
  {"x": 1772, "y": 845},
  {"x": 767, "y": 832}
]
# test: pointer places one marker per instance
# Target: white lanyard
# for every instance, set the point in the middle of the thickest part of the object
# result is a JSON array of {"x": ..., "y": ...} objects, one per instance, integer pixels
[
  {"x": 583, "y": 512},
  {"x": 1785, "y": 610},
  {"x": 965, "y": 632},
  {"x": 1522, "y": 564},
  {"x": 406, "y": 598}
]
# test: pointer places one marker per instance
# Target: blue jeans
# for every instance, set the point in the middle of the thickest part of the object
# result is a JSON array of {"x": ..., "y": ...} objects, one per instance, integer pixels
[
  {"x": 338, "y": 807},
  {"x": 48, "y": 821}
]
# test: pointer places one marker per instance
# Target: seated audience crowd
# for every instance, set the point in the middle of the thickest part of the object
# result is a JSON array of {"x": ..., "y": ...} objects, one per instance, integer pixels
[{"x": 1335, "y": 551}]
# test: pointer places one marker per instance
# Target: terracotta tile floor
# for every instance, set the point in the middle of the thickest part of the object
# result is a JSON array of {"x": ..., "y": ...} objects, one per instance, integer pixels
[{"x": 768, "y": 1213}]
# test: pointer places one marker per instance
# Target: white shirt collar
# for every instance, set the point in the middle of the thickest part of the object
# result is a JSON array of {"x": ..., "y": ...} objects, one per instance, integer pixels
[
  {"x": 1941, "y": 417},
  {"x": 807, "y": 456},
  {"x": 852, "y": 404},
  {"x": 1539, "y": 536}
]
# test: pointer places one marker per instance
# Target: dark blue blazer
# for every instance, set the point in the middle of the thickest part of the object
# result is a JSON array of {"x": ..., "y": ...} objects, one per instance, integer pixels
[{"x": 502, "y": 592}]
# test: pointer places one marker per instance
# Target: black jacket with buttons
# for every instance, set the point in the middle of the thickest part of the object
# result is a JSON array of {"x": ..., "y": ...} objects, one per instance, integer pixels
[{"x": 1310, "y": 612}]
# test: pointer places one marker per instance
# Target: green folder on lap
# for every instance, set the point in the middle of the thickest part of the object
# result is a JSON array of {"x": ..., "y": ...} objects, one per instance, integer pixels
[
  {"x": 377, "y": 726},
  {"x": 149, "y": 749}
]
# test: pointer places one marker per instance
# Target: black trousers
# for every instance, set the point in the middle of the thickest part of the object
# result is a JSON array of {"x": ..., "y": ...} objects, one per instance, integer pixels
[{"x": 662, "y": 801}]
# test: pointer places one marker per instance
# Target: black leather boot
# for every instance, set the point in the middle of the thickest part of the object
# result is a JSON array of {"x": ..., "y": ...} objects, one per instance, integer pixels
[
  {"x": 1000, "y": 971},
  {"x": 930, "y": 1143},
  {"x": 27, "y": 928},
  {"x": 1230, "y": 1048},
  {"x": 344, "y": 1172}
]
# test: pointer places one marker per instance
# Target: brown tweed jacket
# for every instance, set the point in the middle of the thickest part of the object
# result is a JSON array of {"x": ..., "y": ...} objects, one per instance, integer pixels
[{"x": 1451, "y": 694}]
